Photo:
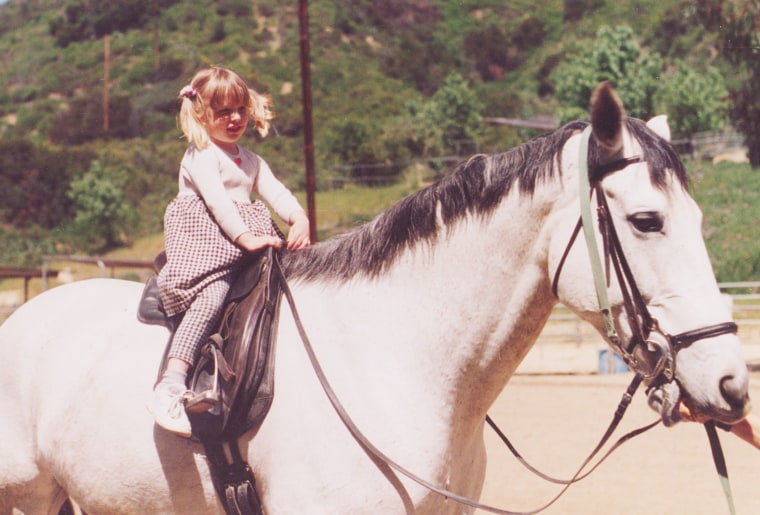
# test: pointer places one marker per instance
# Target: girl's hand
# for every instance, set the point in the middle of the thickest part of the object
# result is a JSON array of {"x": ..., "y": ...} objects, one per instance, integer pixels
[
  {"x": 298, "y": 236},
  {"x": 691, "y": 416},
  {"x": 250, "y": 243}
]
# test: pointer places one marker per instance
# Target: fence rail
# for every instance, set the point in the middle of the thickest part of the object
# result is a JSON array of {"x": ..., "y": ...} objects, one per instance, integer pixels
[
  {"x": 744, "y": 295},
  {"x": 27, "y": 274},
  {"x": 101, "y": 262}
]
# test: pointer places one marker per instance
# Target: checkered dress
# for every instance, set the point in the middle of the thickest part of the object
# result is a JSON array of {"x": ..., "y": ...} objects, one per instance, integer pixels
[{"x": 197, "y": 250}]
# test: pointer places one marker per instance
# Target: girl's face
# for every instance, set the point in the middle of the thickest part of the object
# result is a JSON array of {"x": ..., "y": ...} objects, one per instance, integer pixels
[{"x": 226, "y": 124}]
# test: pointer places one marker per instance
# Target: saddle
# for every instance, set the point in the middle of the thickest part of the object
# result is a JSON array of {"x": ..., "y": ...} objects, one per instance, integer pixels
[{"x": 235, "y": 371}]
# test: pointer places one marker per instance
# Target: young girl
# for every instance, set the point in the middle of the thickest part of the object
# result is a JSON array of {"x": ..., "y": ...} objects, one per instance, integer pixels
[{"x": 212, "y": 223}]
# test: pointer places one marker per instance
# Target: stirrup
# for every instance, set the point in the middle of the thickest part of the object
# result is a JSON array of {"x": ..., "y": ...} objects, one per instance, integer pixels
[
  {"x": 203, "y": 401},
  {"x": 211, "y": 398}
]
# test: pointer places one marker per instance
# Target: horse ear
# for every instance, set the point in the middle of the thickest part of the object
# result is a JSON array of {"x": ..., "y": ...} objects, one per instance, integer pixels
[
  {"x": 607, "y": 115},
  {"x": 659, "y": 125}
]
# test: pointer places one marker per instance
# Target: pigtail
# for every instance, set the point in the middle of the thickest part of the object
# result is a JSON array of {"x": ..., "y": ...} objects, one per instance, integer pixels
[
  {"x": 260, "y": 111},
  {"x": 191, "y": 113}
]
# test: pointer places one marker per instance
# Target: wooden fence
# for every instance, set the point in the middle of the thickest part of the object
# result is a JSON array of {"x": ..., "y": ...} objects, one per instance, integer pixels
[
  {"x": 104, "y": 264},
  {"x": 743, "y": 296},
  {"x": 27, "y": 274}
]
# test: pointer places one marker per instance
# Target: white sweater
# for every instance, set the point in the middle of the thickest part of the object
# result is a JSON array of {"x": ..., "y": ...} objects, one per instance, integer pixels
[{"x": 213, "y": 175}]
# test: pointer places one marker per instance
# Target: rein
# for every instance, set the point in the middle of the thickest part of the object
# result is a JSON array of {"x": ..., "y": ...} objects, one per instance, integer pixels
[
  {"x": 375, "y": 454},
  {"x": 379, "y": 457},
  {"x": 579, "y": 475},
  {"x": 635, "y": 353}
]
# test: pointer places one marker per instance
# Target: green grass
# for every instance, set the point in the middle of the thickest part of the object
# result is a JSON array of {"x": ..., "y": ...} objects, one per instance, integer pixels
[
  {"x": 729, "y": 195},
  {"x": 351, "y": 206}
]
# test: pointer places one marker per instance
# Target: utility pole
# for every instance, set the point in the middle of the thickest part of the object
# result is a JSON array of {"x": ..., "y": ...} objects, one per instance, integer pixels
[
  {"x": 308, "y": 134},
  {"x": 106, "y": 77},
  {"x": 156, "y": 54}
]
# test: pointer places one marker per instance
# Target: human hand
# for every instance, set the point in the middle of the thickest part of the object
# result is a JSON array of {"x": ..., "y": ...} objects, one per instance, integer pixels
[
  {"x": 250, "y": 243},
  {"x": 298, "y": 236},
  {"x": 691, "y": 416}
]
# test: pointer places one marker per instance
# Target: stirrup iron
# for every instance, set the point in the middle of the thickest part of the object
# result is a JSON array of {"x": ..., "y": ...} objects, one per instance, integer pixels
[{"x": 209, "y": 399}]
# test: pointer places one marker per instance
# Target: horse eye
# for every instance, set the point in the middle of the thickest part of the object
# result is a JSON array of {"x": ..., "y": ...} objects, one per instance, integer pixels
[{"x": 647, "y": 221}]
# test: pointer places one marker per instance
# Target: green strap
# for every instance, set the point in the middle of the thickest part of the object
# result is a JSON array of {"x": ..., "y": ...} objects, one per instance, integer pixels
[
  {"x": 720, "y": 464},
  {"x": 588, "y": 232},
  {"x": 604, "y": 303}
]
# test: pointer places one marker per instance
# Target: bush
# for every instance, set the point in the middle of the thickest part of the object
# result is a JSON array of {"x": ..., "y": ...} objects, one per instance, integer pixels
[
  {"x": 34, "y": 182},
  {"x": 102, "y": 215},
  {"x": 615, "y": 56},
  {"x": 487, "y": 47},
  {"x": 83, "y": 121},
  {"x": 695, "y": 100},
  {"x": 25, "y": 248}
]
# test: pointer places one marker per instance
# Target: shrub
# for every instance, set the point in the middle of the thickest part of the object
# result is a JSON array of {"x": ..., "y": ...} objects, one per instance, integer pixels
[{"x": 101, "y": 211}]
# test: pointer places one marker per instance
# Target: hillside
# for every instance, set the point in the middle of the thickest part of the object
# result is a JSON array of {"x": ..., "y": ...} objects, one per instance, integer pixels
[
  {"x": 371, "y": 61},
  {"x": 369, "y": 58}
]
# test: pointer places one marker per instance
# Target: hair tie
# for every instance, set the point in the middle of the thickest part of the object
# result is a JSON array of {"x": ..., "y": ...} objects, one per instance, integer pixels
[{"x": 188, "y": 92}]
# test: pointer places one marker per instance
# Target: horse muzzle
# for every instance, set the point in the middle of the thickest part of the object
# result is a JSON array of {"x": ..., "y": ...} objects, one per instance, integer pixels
[{"x": 725, "y": 399}]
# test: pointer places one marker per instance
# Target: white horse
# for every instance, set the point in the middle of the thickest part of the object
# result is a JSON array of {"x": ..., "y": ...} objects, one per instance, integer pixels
[{"x": 418, "y": 318}]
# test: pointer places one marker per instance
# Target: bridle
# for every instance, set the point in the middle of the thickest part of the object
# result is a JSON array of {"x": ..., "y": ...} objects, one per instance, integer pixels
[
  {"x": 653, "y": 358},
  {"x": 656, "y": 365}
]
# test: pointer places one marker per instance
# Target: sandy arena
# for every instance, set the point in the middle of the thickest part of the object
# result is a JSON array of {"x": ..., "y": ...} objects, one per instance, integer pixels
[{"x": 556, "y": 409}]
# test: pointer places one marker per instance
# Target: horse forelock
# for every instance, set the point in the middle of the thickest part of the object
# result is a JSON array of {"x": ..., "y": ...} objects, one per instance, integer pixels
[
  {"x": 474, "y": 188},
  {"x": 658, "y": 153}
]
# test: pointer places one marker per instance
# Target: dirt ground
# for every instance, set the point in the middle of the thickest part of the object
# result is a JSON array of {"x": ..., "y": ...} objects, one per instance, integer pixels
[{"x": 555, "y": 420}]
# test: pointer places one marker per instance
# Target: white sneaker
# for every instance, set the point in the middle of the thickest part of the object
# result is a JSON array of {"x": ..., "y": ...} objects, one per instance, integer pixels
[{"x": 169, "y": 408}]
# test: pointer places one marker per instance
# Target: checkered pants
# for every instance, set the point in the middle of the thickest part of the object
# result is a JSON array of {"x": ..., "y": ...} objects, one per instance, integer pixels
[
  {"x": 201, "y": 261},
  {"x": 199, "y": 321}
]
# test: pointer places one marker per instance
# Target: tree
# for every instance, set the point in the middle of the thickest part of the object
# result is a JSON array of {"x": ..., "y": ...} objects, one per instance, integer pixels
[
  {"x": 34, "y": 181},
  {"x": 101, "y": 211},
  {"x": 450, "y": 117},
  {"x": 615, "y": 56},
  {"x": 737, "y": 23},
  {"x": 695, "y": 100},
  {"x": 693, "y": 97}
]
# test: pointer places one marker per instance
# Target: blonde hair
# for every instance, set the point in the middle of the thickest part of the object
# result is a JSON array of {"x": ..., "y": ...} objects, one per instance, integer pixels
[{"x": 213, "y": 87}]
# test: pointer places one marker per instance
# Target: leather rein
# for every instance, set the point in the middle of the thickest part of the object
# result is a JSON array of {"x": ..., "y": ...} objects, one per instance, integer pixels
[{"x": 649, "y": 366}]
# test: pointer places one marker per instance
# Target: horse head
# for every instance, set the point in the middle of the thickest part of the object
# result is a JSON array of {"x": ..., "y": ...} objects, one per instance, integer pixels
[{"x": 665, "y": 314}]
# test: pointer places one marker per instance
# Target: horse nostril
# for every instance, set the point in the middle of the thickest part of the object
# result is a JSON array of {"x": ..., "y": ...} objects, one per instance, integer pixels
[{"x": 735, "y": 390}]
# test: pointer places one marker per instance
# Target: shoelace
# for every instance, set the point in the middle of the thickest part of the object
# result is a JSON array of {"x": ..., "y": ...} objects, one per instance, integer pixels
[{"x": 177, "y": 403}]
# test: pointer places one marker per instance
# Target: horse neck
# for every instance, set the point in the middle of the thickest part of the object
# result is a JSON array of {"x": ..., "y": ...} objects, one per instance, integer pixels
[{"x": 458, "y": 314}]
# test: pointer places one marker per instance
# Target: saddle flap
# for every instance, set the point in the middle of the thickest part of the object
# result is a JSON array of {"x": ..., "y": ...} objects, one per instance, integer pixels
[
  {"x": 245, "y": 344},
  {"x": 248, "y": 277}
]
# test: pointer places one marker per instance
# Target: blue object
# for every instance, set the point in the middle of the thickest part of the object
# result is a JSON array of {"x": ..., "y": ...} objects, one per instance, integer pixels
[{"x": 611, "y": 363}]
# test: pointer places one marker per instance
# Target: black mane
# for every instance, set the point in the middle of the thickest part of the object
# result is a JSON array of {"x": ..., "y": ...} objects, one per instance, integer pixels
[{"x": 475, "y": 188}]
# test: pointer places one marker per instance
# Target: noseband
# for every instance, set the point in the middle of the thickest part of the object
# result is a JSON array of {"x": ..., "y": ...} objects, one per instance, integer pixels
[{"x": 652, "y": 357}]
